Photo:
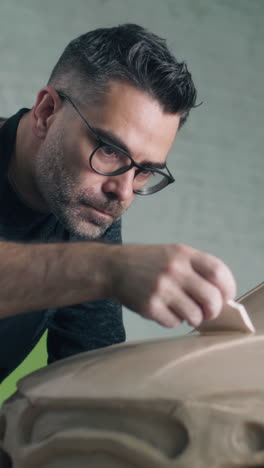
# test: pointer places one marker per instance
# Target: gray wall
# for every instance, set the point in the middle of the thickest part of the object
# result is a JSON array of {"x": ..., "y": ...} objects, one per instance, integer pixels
[{"x": 217, "y": 201}]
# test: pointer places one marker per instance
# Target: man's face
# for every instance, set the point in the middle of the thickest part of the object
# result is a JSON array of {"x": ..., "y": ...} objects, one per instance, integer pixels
[{"x": 87, "y": 203}]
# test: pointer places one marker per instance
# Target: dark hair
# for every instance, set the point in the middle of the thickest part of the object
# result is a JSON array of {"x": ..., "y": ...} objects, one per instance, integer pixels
[{"x": 128, "y": 53}]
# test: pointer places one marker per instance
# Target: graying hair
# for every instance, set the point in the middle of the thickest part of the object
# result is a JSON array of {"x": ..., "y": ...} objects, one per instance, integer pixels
[{"x": 128, "y": 53}]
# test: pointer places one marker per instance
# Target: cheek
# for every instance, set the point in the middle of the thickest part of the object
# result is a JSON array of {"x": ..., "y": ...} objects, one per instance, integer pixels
[
  {"x": 77, "y": 150},
  {"x": 84, "y": 148},
  {"x": 76, "y": 161},
  {"x": 88, "y": 180},
  {"x": 79, "y": 160}
]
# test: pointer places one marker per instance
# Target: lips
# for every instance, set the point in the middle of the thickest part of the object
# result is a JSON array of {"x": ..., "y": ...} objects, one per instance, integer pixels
[
  {"x": 101, "y": 211},
  {"x": 105, "y": 213}
]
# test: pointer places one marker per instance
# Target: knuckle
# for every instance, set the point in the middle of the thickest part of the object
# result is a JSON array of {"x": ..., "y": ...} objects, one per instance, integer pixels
[
  {"x": 219, "y": 274},
  {"x": 178, "y": 259},
  {"x": 215, "y": 272},
  {"x": 161, "y": 285},
  {"x": 233, "y": 288},
  {"x": 160, "y": 314},
  {"x": 175, "y": 267},
  {"x": 195, "y": 317},
  {"x": 191, "y": 312},
  {"x": 151, "y": 309},
  {"x": 212, "y": 305},
  {"x": 178, "y": 267},
  {"x": 182, "y": 250},
  {"x": 229, "y": 286}
]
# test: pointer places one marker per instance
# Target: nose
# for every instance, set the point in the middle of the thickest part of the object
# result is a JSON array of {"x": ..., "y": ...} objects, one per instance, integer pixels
[{"x": 120, "y": 187}]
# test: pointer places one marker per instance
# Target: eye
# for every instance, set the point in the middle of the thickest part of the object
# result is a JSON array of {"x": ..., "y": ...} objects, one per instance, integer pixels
[
  {"x": 109, "y": 151},
  {"x": 145, "y": 173}
]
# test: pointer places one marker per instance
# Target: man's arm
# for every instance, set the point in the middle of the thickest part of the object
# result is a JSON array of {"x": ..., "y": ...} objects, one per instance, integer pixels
[
  {"x": 40, "y": 276},
  {"x": 165, "y": 283}
]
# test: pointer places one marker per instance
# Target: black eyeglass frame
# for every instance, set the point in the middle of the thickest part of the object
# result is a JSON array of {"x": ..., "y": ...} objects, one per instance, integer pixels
[{"x": 168, "y": 178}]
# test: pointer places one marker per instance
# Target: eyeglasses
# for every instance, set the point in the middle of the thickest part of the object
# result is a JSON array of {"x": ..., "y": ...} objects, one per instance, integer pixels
[{"x": 109, "y": 160}]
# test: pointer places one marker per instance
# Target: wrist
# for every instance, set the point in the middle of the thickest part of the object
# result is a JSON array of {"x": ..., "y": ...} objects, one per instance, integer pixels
[{"x": 110, "y": 273}]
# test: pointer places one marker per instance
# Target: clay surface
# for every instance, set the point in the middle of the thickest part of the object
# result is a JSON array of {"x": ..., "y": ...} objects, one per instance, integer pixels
[{"x": 193, "y": 401}]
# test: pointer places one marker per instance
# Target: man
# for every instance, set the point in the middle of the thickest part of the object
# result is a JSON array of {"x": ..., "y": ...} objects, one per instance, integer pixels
[{"x": 98, "y": 135}]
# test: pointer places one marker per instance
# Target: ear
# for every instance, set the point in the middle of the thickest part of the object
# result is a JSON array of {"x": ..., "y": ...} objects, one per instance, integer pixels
[{"x": 44, "y": 111}]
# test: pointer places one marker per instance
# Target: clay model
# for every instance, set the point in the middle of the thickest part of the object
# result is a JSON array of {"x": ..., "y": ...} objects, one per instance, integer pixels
[{"x": 188, "y": 402}]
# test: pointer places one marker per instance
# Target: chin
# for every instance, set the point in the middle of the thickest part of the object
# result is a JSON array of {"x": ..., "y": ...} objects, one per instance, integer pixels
[
  {"x": 89, "y": 227},
  {"x": 87, "y": 230}
]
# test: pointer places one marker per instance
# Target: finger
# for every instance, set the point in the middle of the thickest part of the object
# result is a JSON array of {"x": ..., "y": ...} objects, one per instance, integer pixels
[
  {"x": 186, "y": 308},
  {"x": 205, "y": 294},
  {"x": 159, "y": 312},
  {"x": 216, "y": 272}
]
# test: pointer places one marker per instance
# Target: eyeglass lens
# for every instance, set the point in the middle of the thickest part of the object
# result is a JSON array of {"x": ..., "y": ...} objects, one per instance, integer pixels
[{"x": 109, "y": 160}]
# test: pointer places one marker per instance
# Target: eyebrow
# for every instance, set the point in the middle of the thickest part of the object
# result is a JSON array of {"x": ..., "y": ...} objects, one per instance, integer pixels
[{"x": 112, "y": 139}]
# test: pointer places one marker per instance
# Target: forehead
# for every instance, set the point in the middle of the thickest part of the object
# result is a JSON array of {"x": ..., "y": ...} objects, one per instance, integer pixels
[{"x": 137, "y": 119}]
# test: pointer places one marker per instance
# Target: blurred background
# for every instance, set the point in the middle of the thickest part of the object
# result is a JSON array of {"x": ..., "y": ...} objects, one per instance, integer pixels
[{"x": 216, "y": 203}]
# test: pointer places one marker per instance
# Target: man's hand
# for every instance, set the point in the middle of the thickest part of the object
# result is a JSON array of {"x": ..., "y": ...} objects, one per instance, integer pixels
[
  {"x": 165, "y": 283},
  {"x": 171, "y": 283}
]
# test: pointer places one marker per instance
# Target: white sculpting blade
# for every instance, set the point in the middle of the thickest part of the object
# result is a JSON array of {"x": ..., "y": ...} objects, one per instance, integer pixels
[{"x": 232, "y": 318}]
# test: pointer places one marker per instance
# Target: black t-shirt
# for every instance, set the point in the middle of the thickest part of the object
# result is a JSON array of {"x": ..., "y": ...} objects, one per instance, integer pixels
[{"x": 72, "y": 329}]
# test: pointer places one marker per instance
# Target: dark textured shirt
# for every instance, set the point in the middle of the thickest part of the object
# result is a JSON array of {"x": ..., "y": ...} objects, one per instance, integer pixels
[{"x": 72, "y": 329}]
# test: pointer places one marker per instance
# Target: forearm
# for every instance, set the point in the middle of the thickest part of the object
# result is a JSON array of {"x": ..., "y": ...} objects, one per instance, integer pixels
[
  {"x": 165, "y": 283},
  {"x": 39, "y": 276}
]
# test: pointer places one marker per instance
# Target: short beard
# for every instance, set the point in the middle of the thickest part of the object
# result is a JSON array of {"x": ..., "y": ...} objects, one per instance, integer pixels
[{"x": 57, "y": 186}]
